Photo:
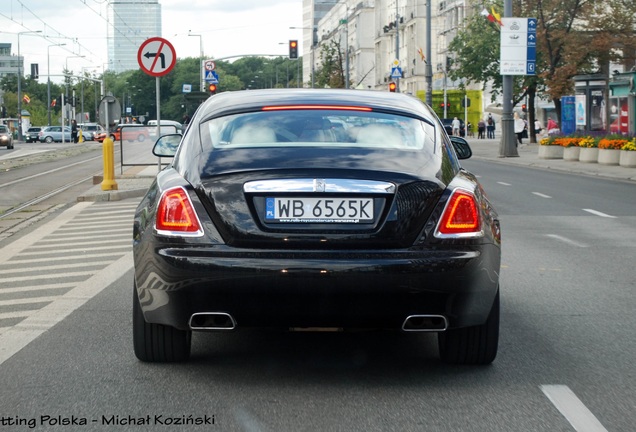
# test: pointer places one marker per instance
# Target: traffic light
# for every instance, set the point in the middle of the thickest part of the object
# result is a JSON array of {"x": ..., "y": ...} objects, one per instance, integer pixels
[
  {"x": 392, "y": 87},
  {"x": 212, "y": 88},
  {"x": 524, "y": 108},
  {"x": 35, "y": 74},
  {"x": 293, "y": 49}
]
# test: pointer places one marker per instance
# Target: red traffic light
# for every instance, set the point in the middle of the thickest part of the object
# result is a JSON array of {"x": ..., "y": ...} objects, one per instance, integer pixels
[
  {"x": 212, "y": 88},
  {"x": 524, "y": 108},
  {"x": 392, "y": 87}
]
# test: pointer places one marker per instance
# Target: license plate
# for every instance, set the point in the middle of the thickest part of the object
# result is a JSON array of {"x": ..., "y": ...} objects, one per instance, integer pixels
[{"x": 319, "y": 210}]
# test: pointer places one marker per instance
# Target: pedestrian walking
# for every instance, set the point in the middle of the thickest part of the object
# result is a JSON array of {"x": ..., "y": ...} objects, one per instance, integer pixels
[
  {"x": 490, "y": 127},
  {"x": 481, "y": 129},
  {"x": 74, "y": 131},
  {"x": 456, "y": 125},
  {"x": 519, "y": 125}
]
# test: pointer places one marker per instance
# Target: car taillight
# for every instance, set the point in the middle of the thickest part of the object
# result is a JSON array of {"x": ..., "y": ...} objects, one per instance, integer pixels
[
  {"x": 461, "y": 216},
  {"x": 176, "y": 215}
]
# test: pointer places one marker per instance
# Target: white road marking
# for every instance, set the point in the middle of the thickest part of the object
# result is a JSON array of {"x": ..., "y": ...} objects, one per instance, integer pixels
[
  {"x": 598, "y": 213},
  {"x": 504, "y": 184},
  {"x": 21, "y": 244},
  {"x": 17, "y": 337},
  {"x": 24, "y": 301},
  {"x": 539, "y": 194},
  {"x": 566, "y": 240},
  {"x": 572, "y": 408},
  {"x": 53, "y": 286}
]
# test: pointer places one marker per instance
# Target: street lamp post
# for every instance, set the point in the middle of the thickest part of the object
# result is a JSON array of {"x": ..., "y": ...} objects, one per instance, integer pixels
[
  {"x": 48, "y": 80},
  {"x": 67, "y": 83},
  {"x": 20, "y": 83},
  {"x": 200, "y": 58}
]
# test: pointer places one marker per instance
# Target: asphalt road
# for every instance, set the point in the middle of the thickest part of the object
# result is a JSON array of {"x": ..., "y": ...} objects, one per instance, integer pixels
[{"x": 565, "y": 361}]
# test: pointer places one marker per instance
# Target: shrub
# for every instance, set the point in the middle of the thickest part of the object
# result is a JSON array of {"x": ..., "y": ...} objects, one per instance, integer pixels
[
  {"x": 630, "y": 145},
  {"x": 612, "y": 143},
  {"x": 549, "y": 140},
  {"x": 588, "y": 141},
  {"x": 568, "y": 141}
]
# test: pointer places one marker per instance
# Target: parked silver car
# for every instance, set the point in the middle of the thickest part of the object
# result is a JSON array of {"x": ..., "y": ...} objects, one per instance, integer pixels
[{"x": 54, "y": 134}]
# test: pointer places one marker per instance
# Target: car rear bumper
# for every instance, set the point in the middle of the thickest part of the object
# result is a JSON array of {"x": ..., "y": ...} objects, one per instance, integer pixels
[{"x": 318, "y": 289}]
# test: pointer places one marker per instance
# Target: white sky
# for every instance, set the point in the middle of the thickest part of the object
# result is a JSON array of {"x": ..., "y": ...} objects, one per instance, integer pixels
[{"x": 228, "y": 27}]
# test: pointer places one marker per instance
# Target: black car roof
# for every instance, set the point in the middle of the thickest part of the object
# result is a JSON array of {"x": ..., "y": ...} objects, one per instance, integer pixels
[{"x": 248, "y": 100}]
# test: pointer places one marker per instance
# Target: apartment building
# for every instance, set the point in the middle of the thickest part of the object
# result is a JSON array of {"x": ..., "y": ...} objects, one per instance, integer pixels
[
  {"x": 132, "y": 22},
  {"x": 384, "y": 34}
]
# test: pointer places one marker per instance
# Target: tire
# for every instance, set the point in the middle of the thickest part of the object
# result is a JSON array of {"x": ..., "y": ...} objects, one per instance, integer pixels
[
  {"x": 48, "y": 139},
  {"x": 158, "y": 342},
  {"x": 141, "y": 138},
  {"x": 476, "y": 345}
]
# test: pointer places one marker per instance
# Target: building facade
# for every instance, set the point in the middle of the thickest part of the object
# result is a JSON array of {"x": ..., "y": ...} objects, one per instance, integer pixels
[
  {"x": 131, "y": 23},
  {"x": 384, "y": 34},
  {"x": 8, "y": 66}
]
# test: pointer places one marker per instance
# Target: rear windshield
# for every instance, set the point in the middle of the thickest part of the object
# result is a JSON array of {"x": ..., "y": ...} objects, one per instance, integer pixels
[{"x": 317, "y": 128}]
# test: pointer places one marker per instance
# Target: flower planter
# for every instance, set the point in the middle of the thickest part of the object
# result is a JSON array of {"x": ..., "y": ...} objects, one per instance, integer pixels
[
  {"x": 608, "y": 156},
  {"x": 550, "y": 152},
  {"x": 588, "y": 154},
  {"x": 627, "y": 159},
  {"x": 571, "y": 153}
]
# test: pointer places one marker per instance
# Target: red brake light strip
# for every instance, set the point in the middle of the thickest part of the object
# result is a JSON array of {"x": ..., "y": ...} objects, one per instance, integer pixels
[{"x": 316, "y": 107}]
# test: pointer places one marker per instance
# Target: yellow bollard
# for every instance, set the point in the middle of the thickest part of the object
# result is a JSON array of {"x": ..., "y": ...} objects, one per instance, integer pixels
[
  {"x": 108, "y": 149},
  {"x": 80, "y": 138}
]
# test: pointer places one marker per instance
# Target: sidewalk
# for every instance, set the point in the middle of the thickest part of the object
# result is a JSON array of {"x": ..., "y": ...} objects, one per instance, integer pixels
[
  {"x": 529, "y": 157},
  {"x": 135, "y": 180}
]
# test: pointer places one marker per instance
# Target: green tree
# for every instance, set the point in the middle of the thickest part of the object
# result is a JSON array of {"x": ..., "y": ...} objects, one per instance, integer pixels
[
  {"x": 573, "y": 37},
  {"x": 330, "y": 72}
]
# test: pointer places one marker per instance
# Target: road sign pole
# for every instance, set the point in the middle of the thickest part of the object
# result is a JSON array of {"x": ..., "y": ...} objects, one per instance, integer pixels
[
  {"x": 158, "y": 91},
  {"x": 156, "y": 57}
]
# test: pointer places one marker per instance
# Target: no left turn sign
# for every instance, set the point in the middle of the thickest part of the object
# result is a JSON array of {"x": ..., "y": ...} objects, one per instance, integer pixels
[{"x": 156, "y": 56}]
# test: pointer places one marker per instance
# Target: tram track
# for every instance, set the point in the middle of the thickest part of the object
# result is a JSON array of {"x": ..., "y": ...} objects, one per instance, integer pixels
[{"x": 38, "y": 186}]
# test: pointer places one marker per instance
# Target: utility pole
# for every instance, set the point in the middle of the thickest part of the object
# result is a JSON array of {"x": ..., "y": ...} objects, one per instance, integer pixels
[
  {"x": 429, "y": 67},
  {"x": 507, "y": 146},
  {"x": 397, "y": 42}
]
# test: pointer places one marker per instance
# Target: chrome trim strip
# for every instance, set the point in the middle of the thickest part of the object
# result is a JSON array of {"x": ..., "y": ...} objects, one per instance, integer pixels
[{"x": 320, "y": 185}]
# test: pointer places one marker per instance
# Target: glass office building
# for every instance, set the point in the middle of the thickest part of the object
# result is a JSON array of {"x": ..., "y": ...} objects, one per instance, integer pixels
[{"x": 131, "y": 22}]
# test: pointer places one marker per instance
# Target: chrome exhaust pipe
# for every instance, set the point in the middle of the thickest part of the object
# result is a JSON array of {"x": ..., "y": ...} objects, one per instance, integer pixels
[
  {"x": 423, "y": 323},
  {"x": 212, "y": 321}
]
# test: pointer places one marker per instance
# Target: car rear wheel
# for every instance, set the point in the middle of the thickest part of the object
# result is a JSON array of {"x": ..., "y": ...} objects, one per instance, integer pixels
[
  {"x": 48, "y": 139},
  {"x": 476, "y": 345},
  {"x": 158, "y": 342}
]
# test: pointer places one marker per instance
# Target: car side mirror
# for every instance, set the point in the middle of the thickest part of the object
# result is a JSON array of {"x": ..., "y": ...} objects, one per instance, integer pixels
[
  {"x": 461, "y": 147},
  {"x": 167, "y": 145}
]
